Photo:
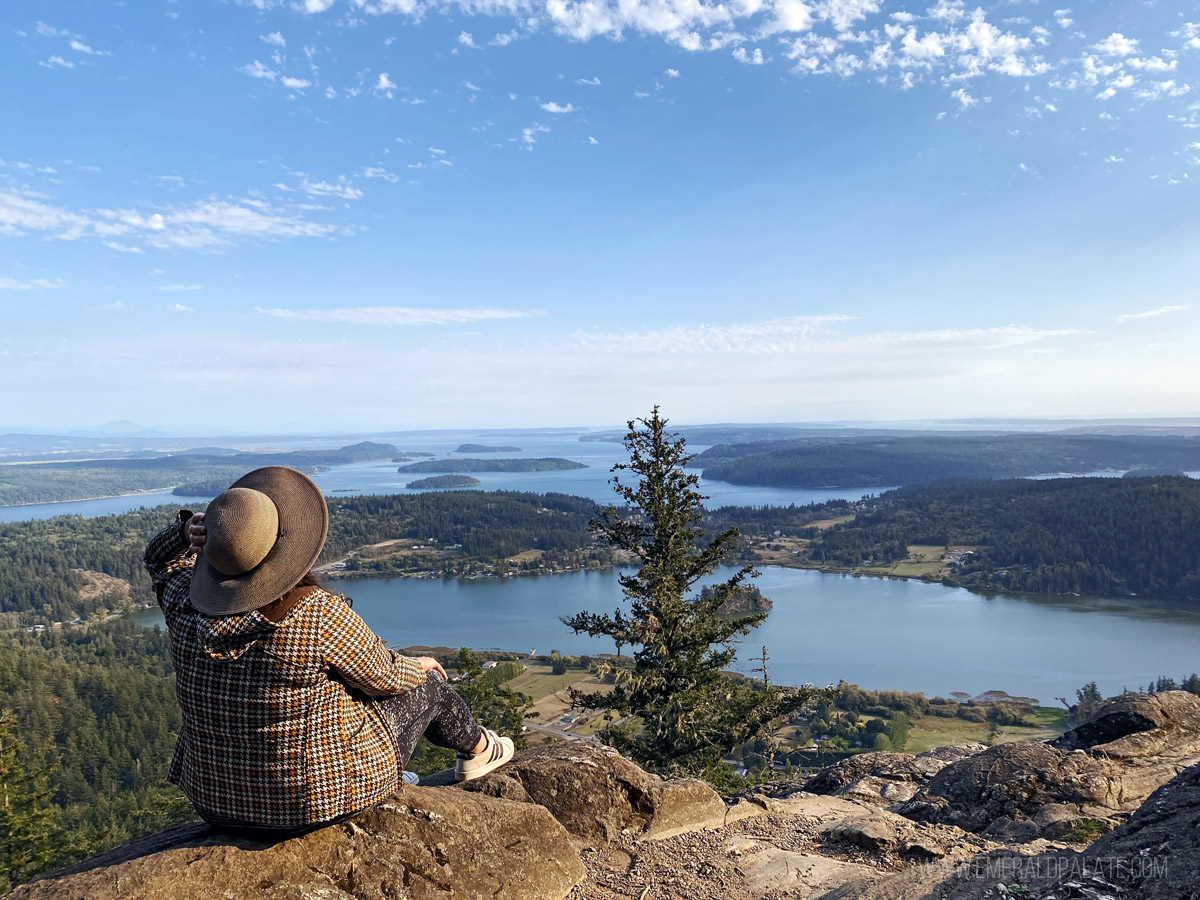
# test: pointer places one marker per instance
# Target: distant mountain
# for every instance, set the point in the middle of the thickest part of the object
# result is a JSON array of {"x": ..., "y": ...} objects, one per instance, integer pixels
[{"x": 124, "y": 428}]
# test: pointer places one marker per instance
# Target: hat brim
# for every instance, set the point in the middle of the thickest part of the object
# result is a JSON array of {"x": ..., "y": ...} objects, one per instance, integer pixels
[{"x": 303, "y": 525}]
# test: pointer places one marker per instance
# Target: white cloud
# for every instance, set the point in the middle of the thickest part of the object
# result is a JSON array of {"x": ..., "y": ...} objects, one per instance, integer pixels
[
  {"x": 470, "y": 86},
  {"x": 964, "y": 99},
  {"x": 592, "y": 140},
  {"x": 115, "y": 306},
  {"x": 593, "y": 81},
  {"x": 29, "y": 284},
  {"x": 1063, "y": 18},
  {"x": 257, "y": 70},
  {"x": 552, "y": 107},
  {"x": 503, "y": 39},
  {"x": 466, "y": 39},
  {"x": 437, "y": 151},
  {"x": 375, "y": 172},
  {"x": 81, "y": 47},
  {"x": 58, "y": 61},
  {"x": 1116, "y": 44},
  {"x": 45, "y": 30},
  {"x": 529, "y": 135},
  {"x": 317, "y": 6},
  {"x": 671, "y": 73},
  {"x": 296, "y": 84},
  {"x": 1113, "y": 158},
  {"x": 1151, "y": 313},
  {"x": 179, "y": 287},
  {"x": 179, "y": 307},
  {"x": 341, "y": 188},
  {"x": 207, "y": 224},
  {"x": 274, "y": 38},
  {"x": 397, "y": 315},
  {"x": 750, "y": 59},
  {"x": 385, "y": 85}
]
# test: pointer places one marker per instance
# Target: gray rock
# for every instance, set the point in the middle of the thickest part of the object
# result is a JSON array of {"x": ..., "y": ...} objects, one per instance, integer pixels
[
  {"x": 1153, "y": 856},
  {"x": 597, "y": 794},
  {"x": 1101, "y": 771},
  {"x": 423, "y": 844},
  {"x": 884, "y": 777},
  {"x": 871, "y": 832}
]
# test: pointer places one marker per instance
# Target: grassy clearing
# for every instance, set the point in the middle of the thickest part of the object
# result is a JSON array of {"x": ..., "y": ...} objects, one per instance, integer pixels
[
  {"x": 539, "y": 681},
  {"x": 825, "y": 524},
  {"x": 928, "y": 732},
  {"x": 527, "y": 556}
]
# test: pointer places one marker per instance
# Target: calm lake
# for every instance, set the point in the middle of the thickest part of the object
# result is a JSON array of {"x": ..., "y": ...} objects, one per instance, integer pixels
[
  {"x": 381, "y": 477},
  {"x": 877, "y": 633}
]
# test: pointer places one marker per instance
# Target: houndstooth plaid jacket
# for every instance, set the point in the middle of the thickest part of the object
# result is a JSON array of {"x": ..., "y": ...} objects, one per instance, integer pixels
[{"x": 278, "y": 728}]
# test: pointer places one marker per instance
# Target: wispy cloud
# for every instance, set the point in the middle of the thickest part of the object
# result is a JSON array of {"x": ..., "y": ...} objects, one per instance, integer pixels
[
  {"x": 179, "y": 307},
  {"x": 341, "y": 188},
  {"x": 180, "y": 287},
  {"x": 397, "y": 315},
  {"x": 29, "y": 284},
  {"x": 1151, "y": 313},
  {"x": 552, "y": 107},
  {"x": 207, "y": 224},
  {"x": 274, "y": 38}
]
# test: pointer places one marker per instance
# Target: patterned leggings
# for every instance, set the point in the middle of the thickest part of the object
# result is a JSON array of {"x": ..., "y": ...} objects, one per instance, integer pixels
[{"x": 432, "y": 709}]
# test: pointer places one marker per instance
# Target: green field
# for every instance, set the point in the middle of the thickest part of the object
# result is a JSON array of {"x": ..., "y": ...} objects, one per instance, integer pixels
[{"x": 928, "y": 732}]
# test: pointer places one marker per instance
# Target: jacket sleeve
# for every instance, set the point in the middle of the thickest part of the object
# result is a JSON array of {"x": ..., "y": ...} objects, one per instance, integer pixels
[
  {"x": 360, "y": 657},
  {"x": 169, "y": 563}
]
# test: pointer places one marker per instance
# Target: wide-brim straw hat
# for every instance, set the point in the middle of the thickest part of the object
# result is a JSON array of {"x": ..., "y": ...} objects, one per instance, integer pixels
[{"x": 264, "y": 534}]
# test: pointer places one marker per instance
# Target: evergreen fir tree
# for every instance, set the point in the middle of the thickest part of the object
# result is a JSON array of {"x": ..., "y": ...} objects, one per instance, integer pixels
[
  {"x": 28, "y": 840},
  {"x": 678, "y": 712}
]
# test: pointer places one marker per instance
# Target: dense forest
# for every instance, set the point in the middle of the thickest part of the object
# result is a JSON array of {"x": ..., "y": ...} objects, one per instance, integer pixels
[
  {"x": 1101, "y": 536},
  {"x": 883, "y": 461},
  {"x": 545, "y": 464},
  {"x": 44, "y": 563},
  {"x": 443, "y": 481},
  {"x": 93, "y": 718},
  {"x": 203, "y": 472}
]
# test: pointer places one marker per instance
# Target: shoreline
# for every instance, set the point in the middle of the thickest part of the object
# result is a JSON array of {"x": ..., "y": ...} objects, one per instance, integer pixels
[
  {"x": 145, "y": 492},
  {"x": 1130, "y": 601}
]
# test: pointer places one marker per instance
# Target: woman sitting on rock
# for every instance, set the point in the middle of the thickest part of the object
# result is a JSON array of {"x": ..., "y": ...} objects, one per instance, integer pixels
[{"x": 295, "y": 714}]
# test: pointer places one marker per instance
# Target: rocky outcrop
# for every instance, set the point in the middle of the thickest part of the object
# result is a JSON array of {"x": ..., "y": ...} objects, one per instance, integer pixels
[
  {"x": 1093, "y": 776},
  {"x": 424, "y": 844},
  {"x": 576, "y": 820},
  {"x": 1153, "y": 856},
  {"x": 884, "y": 777},
  {"x": 597, "y": 794}
]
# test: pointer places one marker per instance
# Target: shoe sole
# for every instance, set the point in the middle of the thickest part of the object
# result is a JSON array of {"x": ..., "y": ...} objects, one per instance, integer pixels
[{"x": 506, "y": 755}]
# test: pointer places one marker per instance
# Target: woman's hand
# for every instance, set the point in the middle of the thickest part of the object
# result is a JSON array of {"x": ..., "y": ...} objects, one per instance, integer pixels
[
  {"x": 429, "y": 664},
  {"x": 195, "y": 532}
]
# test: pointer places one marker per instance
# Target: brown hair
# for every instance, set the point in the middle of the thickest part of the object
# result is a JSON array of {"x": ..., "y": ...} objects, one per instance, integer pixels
[{"x": 309, "y": 580}]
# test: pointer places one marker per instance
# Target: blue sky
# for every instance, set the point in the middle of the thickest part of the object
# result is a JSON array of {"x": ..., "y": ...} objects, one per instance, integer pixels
[{"x": 394, "y": 214}]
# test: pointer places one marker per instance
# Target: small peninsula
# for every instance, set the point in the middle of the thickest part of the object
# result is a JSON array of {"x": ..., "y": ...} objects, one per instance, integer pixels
[
  {"x": 546, "y": 464},
  {"x": 484, "y": 448},
  {"x": 444, "y": 481}
]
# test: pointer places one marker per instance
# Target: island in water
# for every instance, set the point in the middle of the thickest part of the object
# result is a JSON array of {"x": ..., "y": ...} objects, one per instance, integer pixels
[
  {"x": 444, "y": 481},
  {"x": 484, "y": 448},
  {"x": 545, "y": 464}
]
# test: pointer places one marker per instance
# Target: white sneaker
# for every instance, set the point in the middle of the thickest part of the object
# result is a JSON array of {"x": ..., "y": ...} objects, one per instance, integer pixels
[
  {"x": 496, "y": 753},
  {"x": 410, "y": 777}
]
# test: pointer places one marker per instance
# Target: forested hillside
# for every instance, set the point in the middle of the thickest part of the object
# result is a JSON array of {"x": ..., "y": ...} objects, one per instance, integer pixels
[
  {"x": 95, "y": 719},
  {"x": 883, "y": 461},
  {"x": 1104, "y": 536},
  {"x": 206, "y": 471},
  {"x": 43, "y": 563}
]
